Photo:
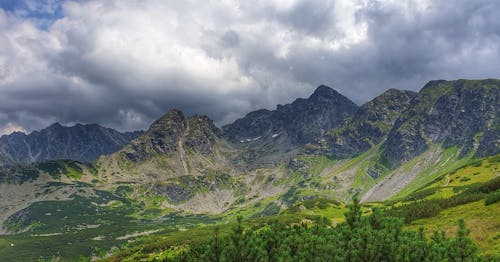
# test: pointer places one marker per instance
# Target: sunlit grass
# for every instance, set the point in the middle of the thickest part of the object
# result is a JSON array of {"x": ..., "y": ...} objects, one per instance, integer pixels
[{"x": 484, "y": 222}]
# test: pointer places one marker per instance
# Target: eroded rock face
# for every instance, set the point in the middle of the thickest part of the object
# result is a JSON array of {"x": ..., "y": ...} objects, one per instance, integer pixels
[
  {"x": 462, "y": 113},
  {"x": 80, "y": 142},
  {"x": 489, "y": 143},
  {"x": 160, "y": 138},
  {"x": 197, "y": 133},
  {"x": 299, "y": 122},
  {"x": 201, "y": 134},
  {"x": 175, "y": 193},
  {"x": 368, "y": 127}
]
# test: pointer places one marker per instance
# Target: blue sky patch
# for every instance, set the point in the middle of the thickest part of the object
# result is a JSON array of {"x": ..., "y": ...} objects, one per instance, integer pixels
[{"x": 42, "y": 12}]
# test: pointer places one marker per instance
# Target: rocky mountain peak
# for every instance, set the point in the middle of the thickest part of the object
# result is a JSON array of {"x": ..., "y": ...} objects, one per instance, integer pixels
[
  {"x": 160, "y": 138},
  {"x": 172, "y": 118},
  {"x": 55, "y": 126},
  {"x": 433, "y": 84},
  {"x": 296, "y": 123},
  {"x": 368, "y": 127},
  {"x": 324, "y": 92},
  {"x": 171, "y": 133}
]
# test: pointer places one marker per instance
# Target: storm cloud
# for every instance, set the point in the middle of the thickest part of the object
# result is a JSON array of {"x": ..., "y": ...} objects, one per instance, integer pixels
[{"x": 123, "y": 63}]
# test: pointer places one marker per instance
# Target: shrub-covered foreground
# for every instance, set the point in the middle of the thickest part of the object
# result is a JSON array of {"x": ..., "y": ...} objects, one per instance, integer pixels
[{"x": 371, "y": 238}]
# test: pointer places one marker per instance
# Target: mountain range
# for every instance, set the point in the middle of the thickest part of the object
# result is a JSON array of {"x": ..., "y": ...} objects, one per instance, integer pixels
[
  {"x": 83, "y": 143},
  {"x": 323, "y": 146}
]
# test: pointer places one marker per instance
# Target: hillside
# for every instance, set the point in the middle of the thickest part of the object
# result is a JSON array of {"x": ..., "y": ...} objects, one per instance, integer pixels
[{"x": 470, "y": 193}]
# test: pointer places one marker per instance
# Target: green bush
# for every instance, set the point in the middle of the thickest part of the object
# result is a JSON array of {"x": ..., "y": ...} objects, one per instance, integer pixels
[
  {"x": 373, "y": 238},
  {"x": 492, "y": 198}
]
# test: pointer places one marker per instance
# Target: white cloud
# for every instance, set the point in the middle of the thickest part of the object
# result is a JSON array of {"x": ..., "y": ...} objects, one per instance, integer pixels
[
  {"x": 10, "y": 128},
  {"x": 123, "y": 63}
]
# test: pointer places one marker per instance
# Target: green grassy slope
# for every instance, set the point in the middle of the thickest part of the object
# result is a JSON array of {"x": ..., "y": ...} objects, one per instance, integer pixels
[
  {"x": 470, "y": 192},
  {"x": 482, "y": 220}
]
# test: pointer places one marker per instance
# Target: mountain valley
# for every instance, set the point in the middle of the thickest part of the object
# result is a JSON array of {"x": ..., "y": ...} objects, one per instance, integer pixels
[{"x": 108, "y": 188}]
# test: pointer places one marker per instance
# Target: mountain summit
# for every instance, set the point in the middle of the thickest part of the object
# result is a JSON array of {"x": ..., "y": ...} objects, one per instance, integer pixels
[
  {"x": 171, "y": 133},
  {"x": 297, "y": 123}
]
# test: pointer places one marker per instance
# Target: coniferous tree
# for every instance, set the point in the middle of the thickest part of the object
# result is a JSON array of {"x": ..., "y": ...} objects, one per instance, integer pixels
[
  {"x": 377, "y": 237},
  {"x": 462, "y": 248},
  {"x": 215, "y": 246},
  {"x": 353, "y": 215}
]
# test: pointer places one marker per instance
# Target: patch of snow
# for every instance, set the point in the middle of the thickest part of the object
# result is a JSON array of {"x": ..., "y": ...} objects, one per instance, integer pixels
[
  {"x": 47, "y": 235},
  {"x": 250, "y": 139},
  {"x": 98, "y": 238},
  {"x": 137, "y": 234},
  {"x": 82, "y": 227},
  {"x": 275, "y": 135}
]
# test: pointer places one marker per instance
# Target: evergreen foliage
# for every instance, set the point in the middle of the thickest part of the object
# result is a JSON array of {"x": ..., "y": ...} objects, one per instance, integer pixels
[
  {"x": 377, "y": 237},
  {"x": 492, "y": 198}
]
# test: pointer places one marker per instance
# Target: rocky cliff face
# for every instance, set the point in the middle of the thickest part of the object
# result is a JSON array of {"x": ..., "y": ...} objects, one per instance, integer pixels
[
  {"x": 299, "y": 122},
  {"x": 173, "y": 146},
  {"x": 266, "y": 138},
  {"x": 201, "y": 135},
  {"x": 171, "y": 133},
  {"x": 160, "y": 138},
  {"x": 368, "y": 127},
  {"x": 462, "y": 113},
  {"x": 80, "y": 142}
]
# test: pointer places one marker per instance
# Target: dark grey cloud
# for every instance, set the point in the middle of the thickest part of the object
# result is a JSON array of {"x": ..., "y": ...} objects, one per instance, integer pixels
[
  {"x": 124, "y": 63},
  {"x": 230, "y": 39}
]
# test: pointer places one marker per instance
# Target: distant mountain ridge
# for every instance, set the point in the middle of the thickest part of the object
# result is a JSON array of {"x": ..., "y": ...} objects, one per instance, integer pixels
[
  {"x": 80, "y": 142},
  {"x": 300, "y": 122},
  {"x": 269, "y": 137}
]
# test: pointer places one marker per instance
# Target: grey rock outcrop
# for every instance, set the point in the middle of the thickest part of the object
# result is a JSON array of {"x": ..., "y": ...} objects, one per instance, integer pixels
[
  {"x": 462, "y": 113},
  {"x": 368, "y": 127},
  {"x": 300, "y": 122},
  {"x": 197, "y": 133},
  {"x": 269, "y": 137}
]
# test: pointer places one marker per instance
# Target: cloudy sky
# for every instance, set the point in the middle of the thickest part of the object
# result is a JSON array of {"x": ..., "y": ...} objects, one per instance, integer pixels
[{"x": 123, "y": 63}]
